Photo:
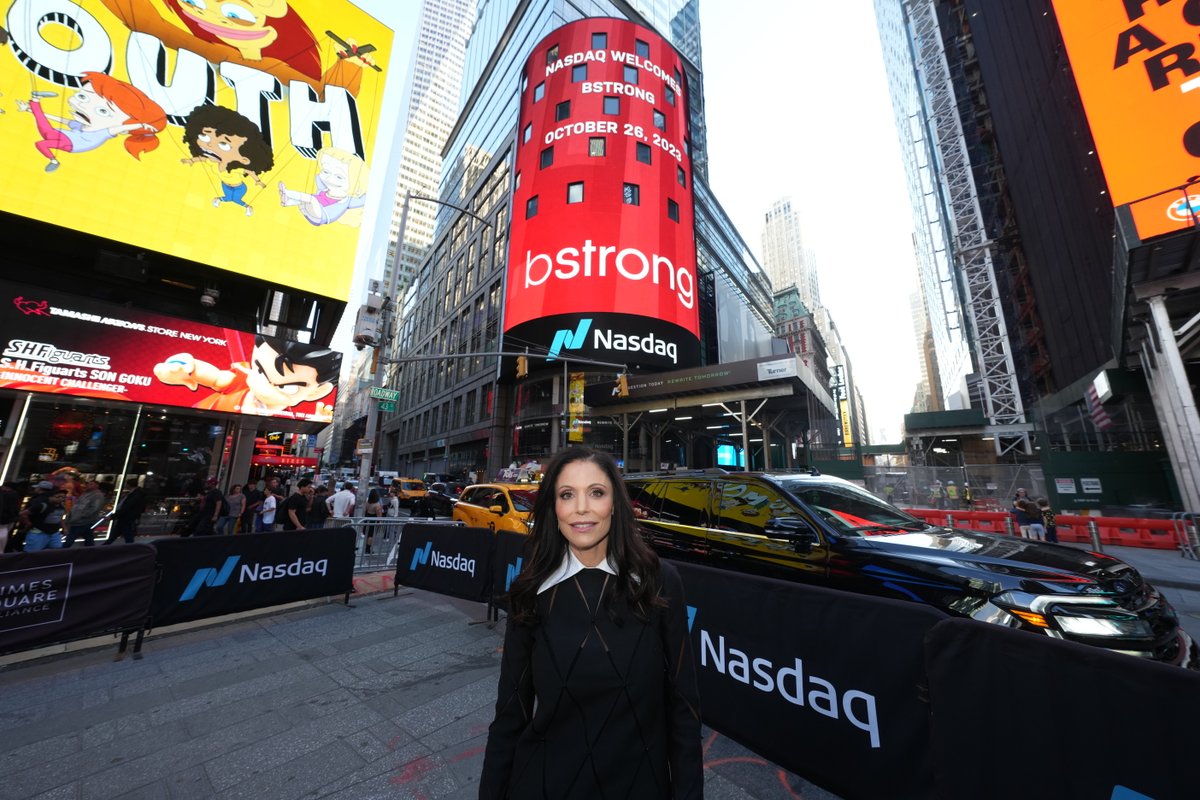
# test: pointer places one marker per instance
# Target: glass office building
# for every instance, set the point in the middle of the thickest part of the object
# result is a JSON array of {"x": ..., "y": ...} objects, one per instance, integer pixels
[{"x": 462, "y": 413}]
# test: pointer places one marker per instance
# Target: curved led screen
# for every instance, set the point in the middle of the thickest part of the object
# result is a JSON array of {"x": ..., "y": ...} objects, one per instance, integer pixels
[{"x": 602, "y": 258}]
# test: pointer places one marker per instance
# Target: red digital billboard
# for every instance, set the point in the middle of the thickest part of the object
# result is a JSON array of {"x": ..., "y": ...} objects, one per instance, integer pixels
[
  {"x": 73, "y": 345},
  {"x": 602, "y": 257}
]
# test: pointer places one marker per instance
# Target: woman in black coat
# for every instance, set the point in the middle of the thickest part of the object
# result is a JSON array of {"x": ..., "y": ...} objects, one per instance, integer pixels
[{"x": 597, "y": 695}]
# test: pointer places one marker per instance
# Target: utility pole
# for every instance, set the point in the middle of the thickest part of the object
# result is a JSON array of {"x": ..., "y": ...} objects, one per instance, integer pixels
[{"x": 368, "y": 458}]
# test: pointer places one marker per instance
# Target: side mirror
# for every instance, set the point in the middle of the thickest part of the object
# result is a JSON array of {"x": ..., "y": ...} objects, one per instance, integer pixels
[{"x": 797, "y": 531}]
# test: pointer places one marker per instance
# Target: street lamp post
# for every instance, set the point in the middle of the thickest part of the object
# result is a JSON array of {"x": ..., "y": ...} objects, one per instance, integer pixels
[{"x": 388, "y": 314}]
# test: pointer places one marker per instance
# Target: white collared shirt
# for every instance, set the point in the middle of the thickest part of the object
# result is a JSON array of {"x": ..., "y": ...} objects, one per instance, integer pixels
[{"x": 570, "y": 567}]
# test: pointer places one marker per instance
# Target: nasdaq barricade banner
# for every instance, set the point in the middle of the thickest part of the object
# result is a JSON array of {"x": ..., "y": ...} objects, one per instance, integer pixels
[
  {"x": 1092, "y": 723},
  {"x": 507, "y": 562},
  {"x": 209, "y": 576},
  {"x": 823, "y": 683},
  {"x": 60, "y": 595},
  {"x": 446, "y": 559}
]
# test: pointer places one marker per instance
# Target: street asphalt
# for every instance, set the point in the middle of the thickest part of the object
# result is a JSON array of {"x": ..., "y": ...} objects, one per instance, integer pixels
[{"x": 388, "y": 698}]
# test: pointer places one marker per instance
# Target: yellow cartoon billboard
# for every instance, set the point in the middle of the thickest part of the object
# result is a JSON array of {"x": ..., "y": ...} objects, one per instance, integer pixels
[{"x": 234, "y": 133}]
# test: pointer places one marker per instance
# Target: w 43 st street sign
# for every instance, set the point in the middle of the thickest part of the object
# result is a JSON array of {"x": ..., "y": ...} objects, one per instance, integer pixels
[{"x": 380, "y": 393}]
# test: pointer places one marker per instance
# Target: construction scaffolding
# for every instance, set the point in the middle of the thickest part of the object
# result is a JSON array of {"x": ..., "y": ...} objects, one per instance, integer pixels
[{"x": 973, "y": 250}]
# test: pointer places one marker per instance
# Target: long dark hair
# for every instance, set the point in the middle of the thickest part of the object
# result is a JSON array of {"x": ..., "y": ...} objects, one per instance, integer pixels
[{"x": 637, "y": 578}]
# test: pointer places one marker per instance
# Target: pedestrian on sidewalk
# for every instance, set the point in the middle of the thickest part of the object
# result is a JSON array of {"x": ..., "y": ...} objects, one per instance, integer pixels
[
  {"x": 1024, "y": 511},
  {"x": 295, "y": 507},
  {"x": 235, "y": 504},
  {"x": 1049, "y": 524},
  {"x": 596, "y": 595},
  {"x": 45, "y": 512},
  {"x": 85, "y": 513},
  {"x": 126, "y": 516}
]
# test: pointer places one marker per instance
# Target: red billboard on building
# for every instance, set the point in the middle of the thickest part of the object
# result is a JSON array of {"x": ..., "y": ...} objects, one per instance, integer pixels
[
  {"x": 602, "y": 257},
  {"x": 67, "y": 344}
]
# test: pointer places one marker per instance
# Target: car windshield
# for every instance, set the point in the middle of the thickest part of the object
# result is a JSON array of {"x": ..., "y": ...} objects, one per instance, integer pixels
[
  {"x": 411, "y": 486},
  {"x": 523, "y": 499},
  {"x": 852, "y": 511}
]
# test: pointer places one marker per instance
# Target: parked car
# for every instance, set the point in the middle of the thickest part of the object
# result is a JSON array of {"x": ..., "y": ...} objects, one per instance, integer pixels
[
  {"x": 826, "y": 531},
  {"x": 499, "y": 506},
  {"x": 408, "y": 491},
  {"x": 438, "y": 501}
]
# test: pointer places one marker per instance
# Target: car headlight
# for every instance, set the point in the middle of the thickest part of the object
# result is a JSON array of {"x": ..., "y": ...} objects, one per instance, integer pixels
[{"x": 1104, "y": 625}]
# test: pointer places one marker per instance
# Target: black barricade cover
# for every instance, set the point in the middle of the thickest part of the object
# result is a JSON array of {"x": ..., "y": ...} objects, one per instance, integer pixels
[
  {"x": 59, "y": 595},
  {"x": 1049, "y": 718},
  {"x": 446, "y": 559},
  {"x": 823, "y": 683},
  {"x": 507, "y": 562},
  {"x": 208, "y": 576}
]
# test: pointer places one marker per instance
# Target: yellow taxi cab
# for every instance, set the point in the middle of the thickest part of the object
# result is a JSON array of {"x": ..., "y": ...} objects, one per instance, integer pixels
[
  {"x": 408, "y": 491},
  {"x": 497, "y": 506}
]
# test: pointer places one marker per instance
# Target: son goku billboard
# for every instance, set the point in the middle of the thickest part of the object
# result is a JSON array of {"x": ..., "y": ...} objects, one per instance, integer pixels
[{"x": 602, "y": 260}]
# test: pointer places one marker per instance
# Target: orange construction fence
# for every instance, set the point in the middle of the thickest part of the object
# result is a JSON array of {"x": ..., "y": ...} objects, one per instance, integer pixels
[{"x": 1158, "y": 534}]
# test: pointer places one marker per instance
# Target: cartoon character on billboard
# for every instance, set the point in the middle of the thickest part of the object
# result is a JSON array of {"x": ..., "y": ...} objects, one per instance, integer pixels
[
  {"x": 102, "y": 109},
  {"x": 257, "y": 29},
  {"x": 341, "y": 190},
  {"x": 233, "y": 145},
  {"x": 279, "y": 376}
]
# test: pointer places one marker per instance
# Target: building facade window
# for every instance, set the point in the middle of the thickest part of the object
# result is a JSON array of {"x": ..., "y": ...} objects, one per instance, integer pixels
[
  {"x": 579, "y": 73},
  {"x": 669, "y": 93},
  {"x": 660, "y": 120},
  {"x": 552, "y": 55},
  {"x": 575, "y": 192},
  {"x": 597, "y": 146},
  {"x": 631, "y": 194},
  {"x": 672, "y": 210},
  {"x": 547, "y": 157},
  {"x": 631, "y": 74},
  {"x": 562, "y": 111},
  {"x": 642, "y": 48},
  {"x": 526, "y": 134},
  {"x": 681, "y": 176},
  {"x": 643, "y": 152},
  {"x": 539, "y": 91},
  {"x": 531, "y": 207},
  {"x": 599, "y": 41},
  {"x": 612, "y": 105}
]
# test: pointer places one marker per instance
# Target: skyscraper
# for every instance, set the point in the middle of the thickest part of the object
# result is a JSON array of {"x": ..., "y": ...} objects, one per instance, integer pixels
[
  {"x": 942, "y": 307},
  {"x": 456, "y": 413},
  {"x": 432, "y": 107},
  {"x": 787, "y": 260}
]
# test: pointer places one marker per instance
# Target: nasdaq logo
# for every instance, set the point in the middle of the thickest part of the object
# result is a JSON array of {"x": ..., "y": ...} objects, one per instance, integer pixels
[
  {"x": 209, "y": 577},
  {"x": 511, "y": 572},
  {"x": 455, "y": 563},
  {"x": 691, "y": 617},
  {"x": 571, "y": 341}
]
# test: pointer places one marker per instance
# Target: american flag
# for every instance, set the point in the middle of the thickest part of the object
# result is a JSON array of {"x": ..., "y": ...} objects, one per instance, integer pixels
[{"x": 1100, "y": 417}]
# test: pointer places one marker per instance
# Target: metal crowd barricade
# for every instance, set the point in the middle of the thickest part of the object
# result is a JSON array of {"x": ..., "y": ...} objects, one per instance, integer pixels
[
  {"x": 384, "y": 535},
  {"x": 1186, "y": 534}
]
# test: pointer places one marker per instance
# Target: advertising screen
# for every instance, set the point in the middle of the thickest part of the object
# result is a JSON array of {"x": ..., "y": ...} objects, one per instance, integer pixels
[
  {"x": 233, "y": 134},
  {"x": 72, "y": 345},
  {"x": 602, "y": 260},
  {"x": 1138, "y": 72}
]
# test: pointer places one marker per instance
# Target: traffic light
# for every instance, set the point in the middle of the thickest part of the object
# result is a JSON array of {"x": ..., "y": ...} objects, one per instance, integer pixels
[
  {"x": 621, "y": 389},
  {"x": 522, "y": 366}
]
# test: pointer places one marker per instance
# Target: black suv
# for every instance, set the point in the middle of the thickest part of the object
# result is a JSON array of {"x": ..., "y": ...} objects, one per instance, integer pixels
[
  {"x": 827, "y": 531},
  {"x": 438, "y": 501}
]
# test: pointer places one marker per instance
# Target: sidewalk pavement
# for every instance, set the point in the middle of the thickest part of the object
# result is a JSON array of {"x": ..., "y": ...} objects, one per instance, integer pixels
[{"x": 388, "y": 698}]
